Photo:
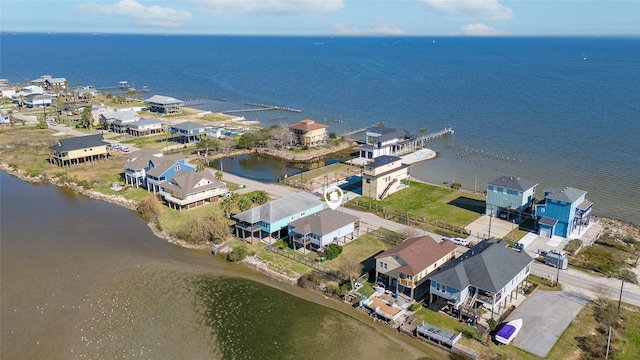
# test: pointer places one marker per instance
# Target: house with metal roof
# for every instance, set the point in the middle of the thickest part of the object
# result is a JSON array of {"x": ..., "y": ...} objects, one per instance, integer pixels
[
  {"x": 376, "y": 141},
  {"x": 309, "y": 133},
  {"x": 38, "y": 100},
  {"x": 164, "y": 104},
  {"x": 145, "y": 127},
  {"x": 406, "y": 266},
  {"x": 510, "y": 197},
  {"x": 116, "y": 120},
  {"x": 384, "y": 176},
  {"x": 322, "y": 228},
  {"x": 187, "y": 190},
  {"x": 188, "y": 131},
  {"x": 164, "y": 169},
  {"x": 48, "y": 82},
  {"x": 78, "y": 150},
  {"x": 137, "y": 165},
  {"x": 488, "y": 273},
  {"x": 270, "y": 221},
  {"x": 562, "y": 211}
]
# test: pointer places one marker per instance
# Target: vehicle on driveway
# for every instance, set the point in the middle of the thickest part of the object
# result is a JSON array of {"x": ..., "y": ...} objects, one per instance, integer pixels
[{"x": 460, "y": 241}]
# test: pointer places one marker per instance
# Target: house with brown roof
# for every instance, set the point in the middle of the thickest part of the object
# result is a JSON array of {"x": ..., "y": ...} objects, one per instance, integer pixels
[
  {"x": 309, "y": 133},
  {"x": 406, "y": 266},
  {"x": 187, "y": 190}
]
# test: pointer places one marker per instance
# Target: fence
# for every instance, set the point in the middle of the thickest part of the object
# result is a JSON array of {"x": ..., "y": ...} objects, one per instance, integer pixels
[
  {"x": 318, "y": 267},
  {"x": 407, "y": 218}
]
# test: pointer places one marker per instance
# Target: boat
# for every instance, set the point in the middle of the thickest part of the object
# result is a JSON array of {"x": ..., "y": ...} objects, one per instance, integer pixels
[
  {"x": 584, "y": 56},
  {"x": 509, "y": 331}
]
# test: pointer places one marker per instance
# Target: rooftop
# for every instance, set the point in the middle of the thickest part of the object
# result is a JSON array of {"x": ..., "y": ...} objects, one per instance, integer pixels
[
  {"x": 163, "y": 100},
  {"x": 567, "y": 194},
  {"x": 80, "y": 142},
  {"x": 323, "y": 222},
  {"x": 307, "y": 125},
  {"x": 419, "y": 253},
  {"x": 513, "y": 183},
  {"x": 280, "y": 208}
]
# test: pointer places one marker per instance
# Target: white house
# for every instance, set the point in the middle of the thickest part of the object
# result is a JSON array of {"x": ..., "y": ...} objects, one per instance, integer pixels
[{"x": 145, "y": 127}]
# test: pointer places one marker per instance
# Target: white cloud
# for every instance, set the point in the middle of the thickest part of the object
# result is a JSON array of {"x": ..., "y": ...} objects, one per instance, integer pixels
[
  {"x": 480, "y": 30},
  {"x": 476, "y": 9},
  {"x": 140, "y": 15},
  {"x": 274, "y": 7},
  {"x": 377, "y": 28}
]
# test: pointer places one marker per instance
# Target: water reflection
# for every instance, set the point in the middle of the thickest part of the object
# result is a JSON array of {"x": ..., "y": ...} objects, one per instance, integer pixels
[{"x": 266, "y": 168}]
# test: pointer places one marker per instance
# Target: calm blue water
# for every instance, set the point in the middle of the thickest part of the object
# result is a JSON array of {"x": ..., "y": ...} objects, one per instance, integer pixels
[{"x": 565, "y": 120}]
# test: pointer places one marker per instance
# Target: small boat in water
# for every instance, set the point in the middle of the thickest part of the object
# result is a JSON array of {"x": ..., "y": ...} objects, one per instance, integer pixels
[{"x": 509, "y": 331}]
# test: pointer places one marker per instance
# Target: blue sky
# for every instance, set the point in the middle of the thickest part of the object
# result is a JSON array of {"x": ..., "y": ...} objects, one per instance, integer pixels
[{"x": 326, "y": 17}]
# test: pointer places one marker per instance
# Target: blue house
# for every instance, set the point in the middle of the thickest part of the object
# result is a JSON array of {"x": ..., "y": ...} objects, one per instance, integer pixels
[
  {"x": 164, "y": 169},
  {"x": 562, "y": 211},
  {"x": 188, "y": 131},
  {"x": 508, "y": 196},
  {"x": 271, "y": 220}
]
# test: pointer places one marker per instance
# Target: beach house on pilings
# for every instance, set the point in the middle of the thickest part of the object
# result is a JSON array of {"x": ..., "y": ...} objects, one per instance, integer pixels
[
  {"x": 510, "y": 197},
  {"x": 164, "y": 104},
  {"x": 78, "y": 150},
  {"x": 269, "y": 222},
  {"x": 384, "y": 176},
  {"x": 490, "y": 273},
  {"x": 377, "y": 141}
]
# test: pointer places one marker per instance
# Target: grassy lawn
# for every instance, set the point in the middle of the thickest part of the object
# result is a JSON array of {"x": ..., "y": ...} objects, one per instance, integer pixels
[
  {"x": 435, "y": 203},
  {"x": 316, "y": 177},
  {"x": 366, "y": 290},
  {"x": 277, "y": 262},
  {"x": 154, "y": 141},
  {"x": 363, "y": 249},
  {"x": 607, "y": 254}
]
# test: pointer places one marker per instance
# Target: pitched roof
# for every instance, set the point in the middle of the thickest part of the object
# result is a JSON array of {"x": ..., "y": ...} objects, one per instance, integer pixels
[
  {"x": 121, "y": 115},
  {"x": 163, "y": 100},
  {"x": 547, "y": 221},
  {"x": 140, "y": 159},
  {"x": 567, "y": 194},
  {"x": 419, "y": 253},
  {"x": 185, "y": 182},
  {"x": 489, "y": 265},
  {"x": 187, "y": 126},
  {"x": 80, "y": 142},
  {"x": 323, "y": 222},
  {"x": 280, "y": 208},
  {"x": 513, "y": 183},
  {"x": 307, "y": 125},
  {"x": 163, "y": 164}
]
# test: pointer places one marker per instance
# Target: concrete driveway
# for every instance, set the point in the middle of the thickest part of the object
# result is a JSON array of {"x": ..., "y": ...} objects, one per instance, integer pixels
[
  {"x": 480, "y": 228},
  {"x": 545, "y": 315}
]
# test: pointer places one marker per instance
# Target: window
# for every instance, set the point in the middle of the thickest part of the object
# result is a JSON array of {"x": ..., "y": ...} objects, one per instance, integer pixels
[
  {"x": 383, "y": 264},
  {"x": 495, "y": 189}
]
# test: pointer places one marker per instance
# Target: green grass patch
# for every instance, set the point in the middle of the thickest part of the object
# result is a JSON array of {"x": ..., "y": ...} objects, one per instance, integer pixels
[
  {"x": 362, "y": 249},
  {"x": 366, "y": 289},
  {"x": 435, "y": 203}
]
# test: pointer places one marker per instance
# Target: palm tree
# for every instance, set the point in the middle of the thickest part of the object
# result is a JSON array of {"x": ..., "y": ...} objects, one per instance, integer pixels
[
  {"x": 244, "y": 204},
  {"x": 227, "y": 205},
  {"x": 218, "y": 175},
  {"x": 381, "y": 124}
]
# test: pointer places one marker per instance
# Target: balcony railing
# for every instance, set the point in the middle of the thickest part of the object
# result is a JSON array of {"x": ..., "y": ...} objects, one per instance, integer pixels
[{"x": 406, "y": 282}]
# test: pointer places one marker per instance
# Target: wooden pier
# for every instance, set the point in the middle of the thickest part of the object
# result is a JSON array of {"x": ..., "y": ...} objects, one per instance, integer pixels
[{"x": 200, "y": 100}]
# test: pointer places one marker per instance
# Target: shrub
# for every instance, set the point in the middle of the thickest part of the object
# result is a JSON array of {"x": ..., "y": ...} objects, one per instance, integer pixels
[
  {"x": 149, "y": 208},
  {"x": 415, "y": 306},
  {"x": 238, "y": 253},
  {"x": 333, "y": 251},
  {"x": 492, "y": 324},
  {"x": 573, "y": 245},
  {"x": 305, "y": 147}
]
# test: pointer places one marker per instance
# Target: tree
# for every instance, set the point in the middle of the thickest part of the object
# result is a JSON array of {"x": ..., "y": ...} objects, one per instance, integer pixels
[
  {"x": 244, "y": 204},
  {"x": 381, "y": 124},
  {"x": 42, "y": 124},
  {"x": 333, "y": 136},
  {"x": 219, "y": 175},
  {"x": 350, "y": 267},
  {"x": 227, "y": 206},
  {"x": 281, "y": 136},
  {"x": 207, "y": 143},
  {"x": 247, "y": 141},
  {"x": 86, "y": 119},
  {"x": 212, "y": 228},
  {"x": 59, "y": 106},
  {"x": 333, "y": 250},
  {"x": 261, "y": 197}
]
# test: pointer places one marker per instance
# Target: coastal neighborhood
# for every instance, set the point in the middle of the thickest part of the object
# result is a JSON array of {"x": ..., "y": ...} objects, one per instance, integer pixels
[{"x": 464, "y": 271}]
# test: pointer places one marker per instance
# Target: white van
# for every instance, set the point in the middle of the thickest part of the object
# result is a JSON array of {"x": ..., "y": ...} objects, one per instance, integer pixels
[{"x": 460, "y": 241}]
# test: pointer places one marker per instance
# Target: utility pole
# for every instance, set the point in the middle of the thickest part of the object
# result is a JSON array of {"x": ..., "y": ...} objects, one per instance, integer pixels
[{"x": 620, "y": 298}]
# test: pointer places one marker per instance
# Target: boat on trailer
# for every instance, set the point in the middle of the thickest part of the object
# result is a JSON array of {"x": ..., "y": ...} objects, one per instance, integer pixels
[{"x": 509, "y": 331}]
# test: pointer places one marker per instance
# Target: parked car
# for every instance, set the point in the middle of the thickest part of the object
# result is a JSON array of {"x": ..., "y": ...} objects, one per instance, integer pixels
[{"x": 460, "y": 241}]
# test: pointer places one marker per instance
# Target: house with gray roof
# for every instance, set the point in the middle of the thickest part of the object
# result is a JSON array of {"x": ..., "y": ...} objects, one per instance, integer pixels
[
  {"x": 510, "y": 197},
  {"x": 376, "y": 141},
  {"x": 137, "y": 165},
  {"x": 563, "y": 211},
  {"x": 187, "y": 190},
  {"x": 406, "y": 266},
  {"x": 164, "y": 104},
  {"x": 270, "y": 221},
  {"x": 145, "y": 127},
  {"x": 116, "y": 121},
  {"x": 188, "y": 131},
  {"x": 322, "y": 228},
  {"x": 164, "y": 169},
  {"x": 78, "y": 150},
  {"x": 48, "y": 82},
  {"x": 488, "y": 273}
]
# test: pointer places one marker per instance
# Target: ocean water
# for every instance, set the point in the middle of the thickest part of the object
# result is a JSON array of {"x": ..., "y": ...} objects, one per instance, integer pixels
[{"x": 530, "y": 107}]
